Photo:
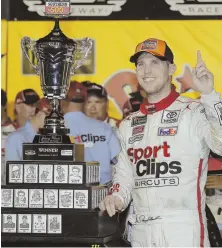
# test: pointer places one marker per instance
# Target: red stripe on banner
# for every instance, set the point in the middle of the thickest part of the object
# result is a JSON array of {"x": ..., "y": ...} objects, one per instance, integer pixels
[{"x": 199, "y": 204}]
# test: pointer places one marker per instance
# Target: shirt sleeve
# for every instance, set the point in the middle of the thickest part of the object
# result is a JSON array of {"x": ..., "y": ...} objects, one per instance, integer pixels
[
  {"x": 12, "y": 148},
  {"x": 123, "y": 173},
  {"x": 207, "y": 119}
]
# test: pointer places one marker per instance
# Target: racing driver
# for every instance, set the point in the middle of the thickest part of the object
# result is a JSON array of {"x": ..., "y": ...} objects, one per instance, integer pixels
[{"x": 164, "y": 159}]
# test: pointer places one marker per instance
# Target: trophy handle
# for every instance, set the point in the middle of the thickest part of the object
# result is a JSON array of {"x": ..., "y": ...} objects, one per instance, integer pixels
[
  {"x": 86, "y": 47},
  {"x": 26, "y": 42}
]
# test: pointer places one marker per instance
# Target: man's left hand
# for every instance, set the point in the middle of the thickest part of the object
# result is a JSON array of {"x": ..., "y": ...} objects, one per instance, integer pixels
[{"x": 203, "y": 79}]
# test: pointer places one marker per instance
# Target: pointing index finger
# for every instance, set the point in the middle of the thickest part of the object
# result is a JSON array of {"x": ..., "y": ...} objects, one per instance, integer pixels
[{"x": 199, "y": 58}]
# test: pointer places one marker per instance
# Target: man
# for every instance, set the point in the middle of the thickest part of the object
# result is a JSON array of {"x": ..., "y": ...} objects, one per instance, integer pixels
[
  {"x": 165, "y": 149},
  {"x": 21, "y": 198},
  {"x": 25, "y": 106},
  {"x": 96, "y": 106},
  {"x": 133, "y": 104},
  {"x": 9, "y": 223},
  {"x": 7, "y": 127},
  {"x": 26, "y": 133},
  {"x": 24, "y": 223},
  {"x": 16, "y": 171},
  {"x": 101, "y": 143}
]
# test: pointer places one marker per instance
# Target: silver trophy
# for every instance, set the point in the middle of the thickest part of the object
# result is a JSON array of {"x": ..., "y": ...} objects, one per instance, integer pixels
[{"x": 56, "y": 63}]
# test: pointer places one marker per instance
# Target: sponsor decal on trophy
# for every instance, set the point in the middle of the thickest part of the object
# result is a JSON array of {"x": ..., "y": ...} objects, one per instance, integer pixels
[
  {"x": 81, "y": 199},
  {"x": 30, "y": 173},
  {"x": 21, "y": 198},
  {"x": 15, "y": 173},
  {"x": 50, "y": 198},
  {"x": 39, "y": 223},
  {"x": 9, "y": 223},
  {"x": 24, "y": 223},
  {"x": 75, "y": 174},
  {"x": 35, "y": 198},
  {"x": 7, "y": 198},
  {"x": 45, "y": 173},
  {"x": 65, "y": 198},
  {"x": 60, "y": 173},
  {"x": 54, "y": 223}
]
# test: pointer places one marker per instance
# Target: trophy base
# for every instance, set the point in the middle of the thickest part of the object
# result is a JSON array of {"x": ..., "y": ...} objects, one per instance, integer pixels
[
  {"x": 44, "y": 151},
  {"x": 54, "y": 131},
  {"x": 51, "y": 138}
]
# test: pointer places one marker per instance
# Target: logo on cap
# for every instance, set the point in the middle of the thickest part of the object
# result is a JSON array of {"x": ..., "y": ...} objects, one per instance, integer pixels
[{"x": 149, "y": 45}]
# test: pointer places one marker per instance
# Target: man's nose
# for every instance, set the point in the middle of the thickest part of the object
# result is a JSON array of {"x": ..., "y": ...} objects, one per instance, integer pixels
[
  {"x": 147, "y": 69},
  {"x": 93, "y": 107}
]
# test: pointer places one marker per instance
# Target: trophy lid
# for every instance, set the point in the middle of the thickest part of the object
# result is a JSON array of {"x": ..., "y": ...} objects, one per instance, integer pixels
[{"x": 56, "y": 35}]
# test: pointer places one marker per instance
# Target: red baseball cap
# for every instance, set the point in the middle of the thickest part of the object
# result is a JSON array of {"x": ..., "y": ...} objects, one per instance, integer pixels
[
  {"x": 27, "y": 96},
  {"x": 44, "y": 105},
  {"x": 77, "y": 92},
  {"x": 157, "y": 48}
]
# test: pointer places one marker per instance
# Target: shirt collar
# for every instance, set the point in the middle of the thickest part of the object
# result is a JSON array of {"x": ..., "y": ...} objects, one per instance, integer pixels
[{"x": 150, "y": 108}]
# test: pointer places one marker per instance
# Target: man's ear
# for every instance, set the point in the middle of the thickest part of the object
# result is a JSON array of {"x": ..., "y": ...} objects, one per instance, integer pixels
[
  {"x": 18, "y": 108},
  {"x": 172, "y": 69}
]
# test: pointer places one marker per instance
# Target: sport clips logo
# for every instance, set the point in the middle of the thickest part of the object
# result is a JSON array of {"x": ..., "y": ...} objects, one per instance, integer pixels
[
  {"x": 152, "y": 173},
  {"x": 86, "y": 138}
]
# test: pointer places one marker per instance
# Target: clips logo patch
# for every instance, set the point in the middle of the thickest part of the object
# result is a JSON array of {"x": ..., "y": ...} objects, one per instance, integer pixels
[
  {"x": 170, "y": 116},
  {"x": 167, "y": 131},
  {"x": 138, "y": 120}
]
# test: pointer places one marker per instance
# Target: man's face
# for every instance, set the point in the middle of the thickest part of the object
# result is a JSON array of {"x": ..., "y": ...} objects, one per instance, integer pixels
[
  {"x": 21, "y": 196},
  {"x": 75, "y": 172},
  {"x": 152, "y": 73},
  {"x": 16, "y": 173},
  {"x": 96, "y": 108},
  {"x": 9, "y": 220},
  {"x": 45, "y": 173},
  {"x": 51, "y": 197},
  {"x": 26, "y": 111},
  {"x": 24, "y": 221},
  {"x": 60, "y": 171}
]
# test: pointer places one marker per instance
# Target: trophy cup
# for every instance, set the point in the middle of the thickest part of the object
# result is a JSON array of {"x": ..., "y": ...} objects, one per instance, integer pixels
[
  {"x": 56, "y": 63},
  {"x": 55, "y": 55}
]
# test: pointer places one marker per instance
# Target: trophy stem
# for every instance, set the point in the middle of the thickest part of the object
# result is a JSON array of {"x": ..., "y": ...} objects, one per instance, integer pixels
[
  {"x": 56, "y": 27},
  {"x": 54, "y": 122}
]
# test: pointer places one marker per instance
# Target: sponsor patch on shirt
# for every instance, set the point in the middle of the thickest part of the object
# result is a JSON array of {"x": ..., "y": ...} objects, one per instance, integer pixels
[
  {"x": 138, "y": 120},
  {"x": 170, "y": 116},
  {"x": 218, "y": 108},
  {"x": 167, "y": 131},
  {"x": 135, "y": 138},
  {"x": 137, "y": 130}
]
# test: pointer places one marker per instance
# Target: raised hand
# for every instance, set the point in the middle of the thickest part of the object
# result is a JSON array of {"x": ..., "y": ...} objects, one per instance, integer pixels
[{"x": 203, "y": 79}]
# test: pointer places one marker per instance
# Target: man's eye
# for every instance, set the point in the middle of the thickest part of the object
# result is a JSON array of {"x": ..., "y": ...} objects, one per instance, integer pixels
[
  {"x": 155, "y": 62},
  {"x": 139, "y": 64}
]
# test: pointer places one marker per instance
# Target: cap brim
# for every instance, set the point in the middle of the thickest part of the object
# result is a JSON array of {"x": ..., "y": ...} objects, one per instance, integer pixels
[
  {"x": 94, "y": 92},
  {"x": 134, "y": 57},
  {"x": 31, "y": 100}
]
